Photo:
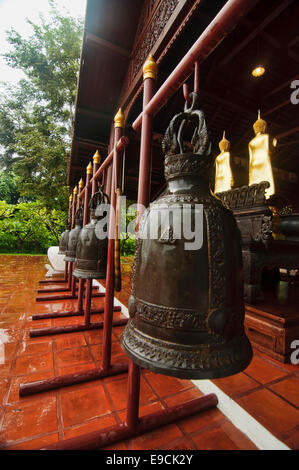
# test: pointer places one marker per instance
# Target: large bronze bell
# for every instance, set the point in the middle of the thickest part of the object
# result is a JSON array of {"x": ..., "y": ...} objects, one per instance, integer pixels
[
  {"x": 64, "y": 239},
  {"x": 186, "y": 306},
  {"x": 70, "y": 252},
  {"x": 91, "y": 252}
]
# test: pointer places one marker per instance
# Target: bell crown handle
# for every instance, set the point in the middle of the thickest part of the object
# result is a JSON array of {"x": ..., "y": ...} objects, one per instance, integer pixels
[{"x": 101, "y": 198}]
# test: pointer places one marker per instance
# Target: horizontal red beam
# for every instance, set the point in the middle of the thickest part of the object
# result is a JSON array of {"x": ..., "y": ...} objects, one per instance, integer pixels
[
  {"x": 121, "y": 144},
  {"x": 222, "y": 24},
  {"x": 108, "y": 436}
]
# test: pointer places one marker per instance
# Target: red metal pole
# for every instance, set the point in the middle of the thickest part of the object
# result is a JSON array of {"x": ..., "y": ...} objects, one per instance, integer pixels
[
  {"x": 144, "y": 180},
  {"x": 81, "y": 281},
  {"x": 109, "y": 294},
  {"x": 149, "y": 77},
  {"x": 216, "y": 31},
  {"x": 88, "y": 283}
]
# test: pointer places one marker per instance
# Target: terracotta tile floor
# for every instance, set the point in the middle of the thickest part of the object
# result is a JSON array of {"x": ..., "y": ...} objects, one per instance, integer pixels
[{"x": 268, "y": 390}]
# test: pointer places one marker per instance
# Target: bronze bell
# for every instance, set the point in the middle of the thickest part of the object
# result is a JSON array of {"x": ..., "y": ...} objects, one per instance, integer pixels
[
  {"x": 64, "y": 239},
  {"x": 70, "y": 252},
  {"x": 91, "y": 252},
  {"x": 186, "y": 305}
]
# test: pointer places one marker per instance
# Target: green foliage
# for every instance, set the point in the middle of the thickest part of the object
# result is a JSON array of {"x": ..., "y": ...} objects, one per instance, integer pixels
[
  {"x": 29, "y": 227},
  {"x": 127, "y": 240},
  {"x": 36, "y": 116},
  {"x": 9, "y": 187}
]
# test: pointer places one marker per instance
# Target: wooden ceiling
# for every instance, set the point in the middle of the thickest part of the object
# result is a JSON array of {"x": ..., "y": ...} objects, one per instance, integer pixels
[{"x": 230, "y": 96}]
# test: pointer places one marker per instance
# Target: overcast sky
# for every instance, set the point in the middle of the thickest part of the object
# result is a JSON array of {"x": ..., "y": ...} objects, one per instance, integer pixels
[{"x": 13, "y": 14}]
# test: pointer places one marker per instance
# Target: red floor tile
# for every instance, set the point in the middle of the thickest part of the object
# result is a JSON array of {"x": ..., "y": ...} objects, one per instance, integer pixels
[
  {"x": 154, "y": 439},
  {"x": 222, "y": 437},
  {"x": 41, "y": 346},
  {"x": 72, "y": 369},
  {"x": 3, "y": 389},
  {"x": 117, "y": 354},
  {"x": 68, "y": 357},
  {"x": 118, "y": 392},
  {"x": 293, "y": 440},
  {"x": 32, "y": 422},
  {"x": 263, "y": 371},
  {"x": 94, "y": 336},
  {"x": 29, "y": 419},
  {"x": 4, "y": 370},
  {"x": 83, "y": 404},
  {"x": 33, "y": 363},
  {"x": 35, "y": 444},
  {"x": 288, "y": 388},
  {"x": 237, "y": 385},
  {"x": 271, "y": 411},
  {"x": 199, "y": 420},
  {"x": 164, "y": 385},
  {"x": 179, "y": 444},
  {"x": 90, "y": 426},
  {"x": 69, "y": 340}
]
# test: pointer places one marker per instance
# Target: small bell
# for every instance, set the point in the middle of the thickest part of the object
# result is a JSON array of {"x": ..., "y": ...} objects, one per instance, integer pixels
[
  {"x": 64, "y": 239},
  {"x": 186, "y": 306},
  {"x": 70, "y": 253},
  {"x": 91, "y": 252}
]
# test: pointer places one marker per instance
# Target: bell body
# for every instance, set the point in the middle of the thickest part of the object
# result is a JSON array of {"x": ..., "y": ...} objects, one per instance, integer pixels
[
  {"x": 70, "y": 253},
  {"x": 63, "y": 242},
  {"x": 186, "y": 308},
  {"x": 91, "y": 254}
]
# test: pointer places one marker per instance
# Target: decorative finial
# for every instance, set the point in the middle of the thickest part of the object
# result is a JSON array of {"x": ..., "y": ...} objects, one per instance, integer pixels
[
  {"x": 81, "y": 183},
  {"x": 75, "y": 190},
  {"x": 260, "y": 126},
  {"x": 97, "y": 157},
  {"x": 71, "y": 198},
  {"x": 119, "y": 120},
  {"x": 224, "y": 144},
  {"x": 150, "y": 68},
  {"x": 89, "y": 169}
]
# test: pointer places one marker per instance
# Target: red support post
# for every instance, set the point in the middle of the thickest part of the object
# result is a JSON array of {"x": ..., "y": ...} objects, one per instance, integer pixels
[
  {"x": 109, "y": 297},
  {"x": 149, "y": 86}
]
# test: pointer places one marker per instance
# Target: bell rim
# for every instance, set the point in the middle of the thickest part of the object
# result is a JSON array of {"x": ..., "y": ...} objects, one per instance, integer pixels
[
  {"x": 69, "y": 258},
  {"x": 197, "y": 373},
  {"x": 91, "y": 275}
]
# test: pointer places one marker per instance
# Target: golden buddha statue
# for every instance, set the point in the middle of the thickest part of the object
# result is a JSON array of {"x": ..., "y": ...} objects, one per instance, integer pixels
[
  {"x": 260, "y": 168},
  {"x": 223, "y": 173}
]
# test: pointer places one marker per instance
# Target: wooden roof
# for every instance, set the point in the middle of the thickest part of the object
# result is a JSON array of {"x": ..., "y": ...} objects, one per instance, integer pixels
[{"x": 230, "y": 96}]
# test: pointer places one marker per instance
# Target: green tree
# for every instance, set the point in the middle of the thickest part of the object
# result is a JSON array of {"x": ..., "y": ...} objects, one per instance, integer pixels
[
  {"x": 29, "y": 227},
  {"x": 36, "y": 117},
  {"x": 9, "y": 187}
]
